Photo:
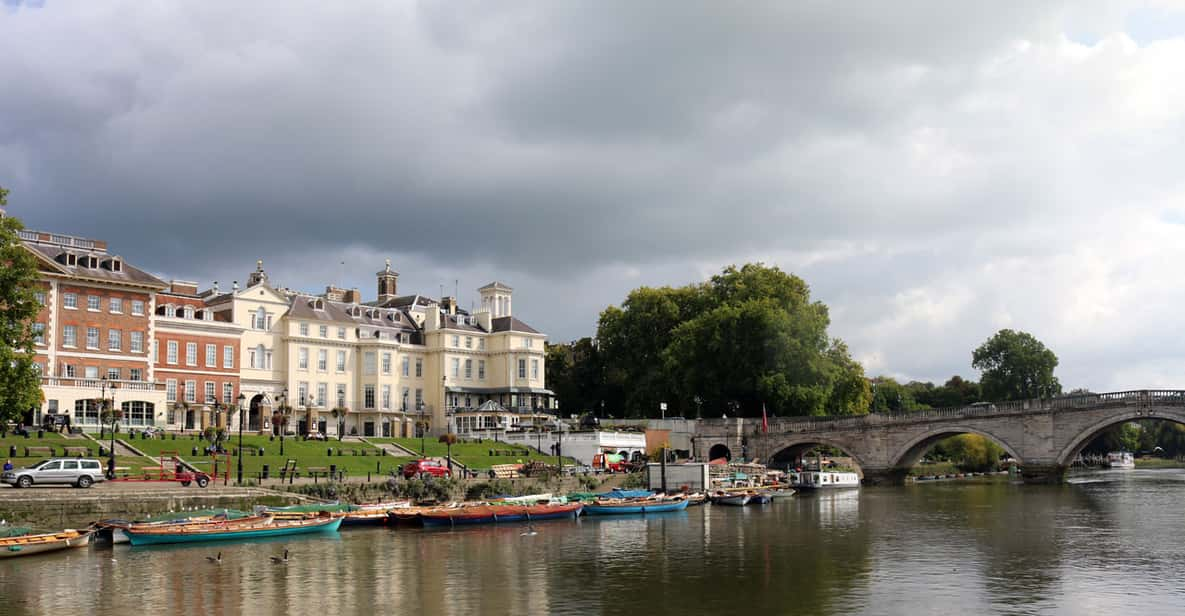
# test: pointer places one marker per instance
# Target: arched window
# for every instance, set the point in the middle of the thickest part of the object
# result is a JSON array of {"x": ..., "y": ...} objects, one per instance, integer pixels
[
  {"x": 188, "y": 312},
  {"x": 170, "y": 311},
  {"x": 259, "y": 320}
]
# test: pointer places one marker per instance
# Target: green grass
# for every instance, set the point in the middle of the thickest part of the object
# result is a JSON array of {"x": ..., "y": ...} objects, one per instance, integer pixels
[
  {"x": 1158, "y": 463},
  {"x": 474, "y": 455},
  {"x": 306, "y": 453}
]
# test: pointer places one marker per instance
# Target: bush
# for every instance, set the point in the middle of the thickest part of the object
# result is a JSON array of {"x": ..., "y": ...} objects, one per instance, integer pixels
[{"x": 634, "y": 481}]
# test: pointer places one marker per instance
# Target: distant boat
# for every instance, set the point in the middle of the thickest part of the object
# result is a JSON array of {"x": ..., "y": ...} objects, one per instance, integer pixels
[
  {"x": 820, "y": 480},
  {"x": 27, "y": 545},
  {"x": 1121, "y": 459},
  {"x": 760, "y": 498},
  {"x": 640, "y": 505},
  {"x": 732, "y": 499},
  {"x": 247, "y": 528},
  {"x": 491, "y": 514}
]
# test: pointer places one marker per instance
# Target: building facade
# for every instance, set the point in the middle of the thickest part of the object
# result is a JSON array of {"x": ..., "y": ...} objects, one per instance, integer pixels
[{"x": 94, "y": 333}]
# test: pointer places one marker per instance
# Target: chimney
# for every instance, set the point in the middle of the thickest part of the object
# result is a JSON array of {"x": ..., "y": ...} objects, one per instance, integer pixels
[
  {"x": 388, "y": 280},
  {"x": 449, "y": 304},
  {"x": 353, "y": 296}
]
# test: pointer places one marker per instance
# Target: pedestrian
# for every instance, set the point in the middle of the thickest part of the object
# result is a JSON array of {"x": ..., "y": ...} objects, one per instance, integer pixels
[{"x": 8, "y": 465}]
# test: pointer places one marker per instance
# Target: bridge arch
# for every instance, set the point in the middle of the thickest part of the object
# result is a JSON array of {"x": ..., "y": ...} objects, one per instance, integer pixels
[
  {"x": 1093, "y": 431},
  {"x": 794, "y": 448},
  {"x": 907, "y": 456}
]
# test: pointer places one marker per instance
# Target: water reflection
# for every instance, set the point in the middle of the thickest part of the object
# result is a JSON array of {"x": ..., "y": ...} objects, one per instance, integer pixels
[{"x": 1107, "y": 542}]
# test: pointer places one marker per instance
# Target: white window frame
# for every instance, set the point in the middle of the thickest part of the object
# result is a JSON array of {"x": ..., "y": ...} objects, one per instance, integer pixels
[
  {"x": 191, "y": 354},
  {"x": 171, "y": 352},
  {"x": 114, "y": 340},
  {"x": 211, "y": 392},
  {"x": 92, "y": 342},
  {"x": 211, "y": 356},
  {"x": 302, "y": 358},
  {"x": 94, "y": 303},
  {"x": 136, "y": 342},
  {"x": 171, "y": 390},
  {"x": 70, "y": 301},
  {"x": 115, "y": 305},
  {"x": 138, "y": 307},
  {"x": 228, "y": 357},
  {"x": 322, "y": 360},
  {"x": 191, "y": 392},
  {"x": 70, "y": 336}
]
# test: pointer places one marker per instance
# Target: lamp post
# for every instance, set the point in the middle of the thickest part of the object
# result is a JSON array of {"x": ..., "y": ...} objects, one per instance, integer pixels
[
  {"x": 241, "y": 399},
  {"x": 101, "y": 404},
  {"x": 283, "y": 418}
]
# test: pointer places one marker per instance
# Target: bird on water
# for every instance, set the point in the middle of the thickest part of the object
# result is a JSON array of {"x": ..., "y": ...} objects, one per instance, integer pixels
[
  {"x": 278, "y": 560},
  {"x": 215, "y": 559}
]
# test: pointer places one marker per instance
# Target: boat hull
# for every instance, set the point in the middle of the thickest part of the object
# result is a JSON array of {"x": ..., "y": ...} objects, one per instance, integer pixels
[
  {"x": 736, "y": 500},
  {"x": 254, "y": 532},
  {"x": 499, "y": 514},
  {"x": 635, "y": 508},
  {"x": 760, "y": 499},
  {"x": 41, "y": 544}
]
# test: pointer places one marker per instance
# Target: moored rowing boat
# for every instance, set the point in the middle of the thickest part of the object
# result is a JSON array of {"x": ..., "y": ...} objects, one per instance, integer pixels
[
  {"x": 232, "y": 530},
  {"x": 489, "y": 514},
  {"x": 27, "y": 545},
  {"x": 640, "y": 505}
]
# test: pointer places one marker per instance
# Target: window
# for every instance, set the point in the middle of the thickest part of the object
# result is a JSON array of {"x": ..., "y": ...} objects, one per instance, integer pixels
[
  {"x": 481, "y": 369},
  {"x": 456, "y": 367},
  {"x": 93, "y": 303},
  {"x": 40, "y": 295},
  {"x": 404, "y": 365},
  {"x": 211, "y": 356},
  {"x": 171, "y": 352},
  {"x": 228, "y": 356},
  {"x": 228, "y": 393},
  {"x": 191, "y": 391},
  {"x": 259, "y": 319},
  {"x": 323, "y": 331},
  {"x": 522, "y": 368},
  {"x": 526, "y": 343},
  {"x": 302, "y": 394},
  {"x": 481, "y": 344},
  {"x": 136, "y": 344},
  {"x": 188, "y": 312},
  {"x": 252, "y": 358},
  {"x": 304, "y": 329},
  {"x": 138, "y": 307},
  {"x": 368, "y": 396},
  {"x": 170, "y": 311},
  {"x": 534, "y": 368},
  {"x": 68, "y": 370},
  {"x": 69, "y": 336},
  {"x": 137, "y": 413},
  {"x": 190, "y": 353},
  {"x": 210, "y": 392},
  {"x": 341, "y": 395},
  {"x": 468, "y": 368},
  {"x": 113, "y": 374},
  {"x": 115, "y": 305},
  {"x": 155, "y": 350},
  {"x": 322, "y": 360},
  {"x": 419, "y": 367},
  {"x": 322, "y": 393},
  {"x": 302, "y": 358},
  {"x": 341, "y": 333},
  {"x": 419, "y": 398},
  {"x": 114, "y": 340},
  {"x": 91, "y": 372},
  {"x": 207, "y": 315},
  {"x": 386, "y": 397},
  {"x": 92, "y": 337},
  {"x": 70, "y": 300},
  {"x": 368, "y": 366},
  {"x": 456, "y": 341},
  {"x": 469, "y": 342},
  {"x": 85, "y": 412},
  {"x": 387, "y": 363},
  {"x": 39, "y": 333},
  {"x": 341, "y": 361},
  {"x": 135, "y": 374}
]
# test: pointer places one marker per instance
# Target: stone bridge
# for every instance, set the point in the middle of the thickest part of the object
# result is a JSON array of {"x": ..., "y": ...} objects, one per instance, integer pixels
[{"x": 1044, "y": 436}]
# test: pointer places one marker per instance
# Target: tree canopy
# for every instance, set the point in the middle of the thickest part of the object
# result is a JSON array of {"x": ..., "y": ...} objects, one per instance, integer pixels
[
  {"x": 20, "y": 384},
  {"x": 750, "y": 336},
  {"x": 1016, "y": 366}
]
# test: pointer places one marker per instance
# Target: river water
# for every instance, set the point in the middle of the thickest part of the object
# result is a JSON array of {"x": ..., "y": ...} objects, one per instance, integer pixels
[{"x": 1109, "y": 542}]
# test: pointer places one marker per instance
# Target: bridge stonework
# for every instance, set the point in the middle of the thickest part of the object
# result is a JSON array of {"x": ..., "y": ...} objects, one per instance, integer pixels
[{"x": 1044, "y": 436}]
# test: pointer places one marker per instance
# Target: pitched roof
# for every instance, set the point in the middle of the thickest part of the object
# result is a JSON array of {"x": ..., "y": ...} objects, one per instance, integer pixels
[
  {"x": 511, "y": 324},
  {"x": 496, "y": 285},
  {"x": 127, "y": 274}
]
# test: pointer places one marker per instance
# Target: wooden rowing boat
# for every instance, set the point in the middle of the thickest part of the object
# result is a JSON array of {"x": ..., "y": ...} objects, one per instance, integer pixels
[
  {"x": 498, "y": 513},
  {"x": 635, "y": 505},
  {"x": 233, "y": 530},
  {"x": 27, "y": 545}
]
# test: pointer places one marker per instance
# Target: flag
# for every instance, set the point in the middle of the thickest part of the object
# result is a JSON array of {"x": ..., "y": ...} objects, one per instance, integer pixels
[{"x": 764, "y": 419}]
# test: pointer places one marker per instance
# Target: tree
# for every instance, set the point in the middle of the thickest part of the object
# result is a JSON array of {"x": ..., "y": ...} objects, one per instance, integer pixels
[
  {"x": 20, "y": 382},
  {"x": 1016, "y": 366},
  {"x": 889, "y": 396}
]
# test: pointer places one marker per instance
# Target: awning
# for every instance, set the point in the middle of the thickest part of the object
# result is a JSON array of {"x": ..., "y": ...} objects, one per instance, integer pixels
[{"x": 499, "y": 390}]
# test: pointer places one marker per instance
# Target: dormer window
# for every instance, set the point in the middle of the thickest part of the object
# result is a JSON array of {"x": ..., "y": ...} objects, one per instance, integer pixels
[
  {"x": 188, "y": 312},
  {"x": 116, "y": 265},
  {"x": 71, "y": 259},
  {"x": 207, "y": 315},
  {"x": 318, "y": 304},
  {"x": 170, "y": 311}
]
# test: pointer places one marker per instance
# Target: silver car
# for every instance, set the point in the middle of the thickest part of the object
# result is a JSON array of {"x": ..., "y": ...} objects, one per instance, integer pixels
[{"x": 80, "y": 472}]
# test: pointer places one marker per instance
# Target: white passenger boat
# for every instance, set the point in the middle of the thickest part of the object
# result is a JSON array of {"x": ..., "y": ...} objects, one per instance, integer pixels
[
  {"x": 819, "y": 480},
  {"x": 1121, "y": 459}
]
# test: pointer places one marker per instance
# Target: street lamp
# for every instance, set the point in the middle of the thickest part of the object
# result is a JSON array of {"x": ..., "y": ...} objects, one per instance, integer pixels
[
  {"x": 283, "y": 418},
  {"x": 241, "y": 399}
]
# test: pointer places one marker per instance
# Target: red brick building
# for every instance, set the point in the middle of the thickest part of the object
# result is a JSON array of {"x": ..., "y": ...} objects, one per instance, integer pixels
[
  {"x": 197, "y": 358},
  {"x": 94, "y": 332}
]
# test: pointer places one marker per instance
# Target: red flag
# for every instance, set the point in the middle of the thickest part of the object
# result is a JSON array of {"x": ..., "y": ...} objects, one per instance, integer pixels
[{"x": 764, "y": 419}]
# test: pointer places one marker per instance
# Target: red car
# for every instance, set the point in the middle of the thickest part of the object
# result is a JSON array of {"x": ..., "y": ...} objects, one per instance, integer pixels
[{"x": 425, "y": 466}]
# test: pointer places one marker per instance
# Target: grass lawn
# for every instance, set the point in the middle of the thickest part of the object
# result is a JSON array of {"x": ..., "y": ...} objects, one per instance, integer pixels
[
  {"x": 306, "y": 453},
  {"x": 474, "y": 455}
]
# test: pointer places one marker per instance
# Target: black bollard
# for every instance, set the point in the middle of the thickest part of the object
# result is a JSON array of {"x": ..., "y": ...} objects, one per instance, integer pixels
[
  {"x": 332, "y": 470},
  {"x": 12, "y": 451},
  {"x": 40, "y": 433},
  {"x": 329, "y": 451},
  {"x": 194, "y": 452},
  {"x": 266, "y": 471}
]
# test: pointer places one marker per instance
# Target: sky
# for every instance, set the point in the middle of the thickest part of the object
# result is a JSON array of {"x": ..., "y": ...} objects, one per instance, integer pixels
[{"x": 935, "y": 171}]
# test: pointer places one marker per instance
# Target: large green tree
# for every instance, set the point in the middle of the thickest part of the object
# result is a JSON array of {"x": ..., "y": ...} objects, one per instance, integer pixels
[
  {"x": 20, "y": 385},
  {"x": 749, "y": 337},
  {"x": 1016, "y": 366}
]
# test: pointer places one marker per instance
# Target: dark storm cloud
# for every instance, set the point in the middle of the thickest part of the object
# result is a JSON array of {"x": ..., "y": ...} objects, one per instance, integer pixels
[{"x": 580, "y": 149}]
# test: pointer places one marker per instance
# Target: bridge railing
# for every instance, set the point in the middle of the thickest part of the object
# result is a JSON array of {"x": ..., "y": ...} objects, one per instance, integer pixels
[{"x": 1137, "y": 397}]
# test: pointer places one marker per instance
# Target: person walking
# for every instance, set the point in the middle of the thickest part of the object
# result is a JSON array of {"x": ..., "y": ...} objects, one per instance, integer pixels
[{"x": 8, "y": 465}]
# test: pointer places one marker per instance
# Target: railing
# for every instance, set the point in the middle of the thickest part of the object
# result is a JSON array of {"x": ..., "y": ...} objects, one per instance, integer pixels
[
  {"x": 1138, "y": 397},
  {"x": 60, "y": 381}
]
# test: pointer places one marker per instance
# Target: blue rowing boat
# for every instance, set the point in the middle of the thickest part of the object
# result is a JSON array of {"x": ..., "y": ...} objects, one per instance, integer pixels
[
  {"x": 635, "y": 506},
  {"x": 232, "y": 531}
]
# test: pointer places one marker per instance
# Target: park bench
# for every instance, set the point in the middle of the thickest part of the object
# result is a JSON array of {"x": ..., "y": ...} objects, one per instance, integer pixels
[
  {"x": 38, "y": 451},
  {"x": 317, "y": 471},
  {"x": 80, "y": 452}
]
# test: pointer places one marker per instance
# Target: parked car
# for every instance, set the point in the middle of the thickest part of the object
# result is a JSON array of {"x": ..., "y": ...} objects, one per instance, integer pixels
[
  {"x": 80, "y": 472},
  {"x": 425, "y": 466}
]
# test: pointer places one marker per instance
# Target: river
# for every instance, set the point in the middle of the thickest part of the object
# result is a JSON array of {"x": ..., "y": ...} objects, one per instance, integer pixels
[{"x": 1109, "y": 542}]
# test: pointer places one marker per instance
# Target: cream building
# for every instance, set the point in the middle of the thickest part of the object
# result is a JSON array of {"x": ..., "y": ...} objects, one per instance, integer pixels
[{"x": 387, "y": 367}]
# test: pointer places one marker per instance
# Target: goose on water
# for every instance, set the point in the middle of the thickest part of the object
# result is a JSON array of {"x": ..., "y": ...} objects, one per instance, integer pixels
[
  {"x": 278, "y": 560},
  {"x": 215, "y": 559}
]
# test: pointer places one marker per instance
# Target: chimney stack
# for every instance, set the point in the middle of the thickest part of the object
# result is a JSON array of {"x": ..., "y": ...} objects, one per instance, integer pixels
[{"x": 388, "y": 282}]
